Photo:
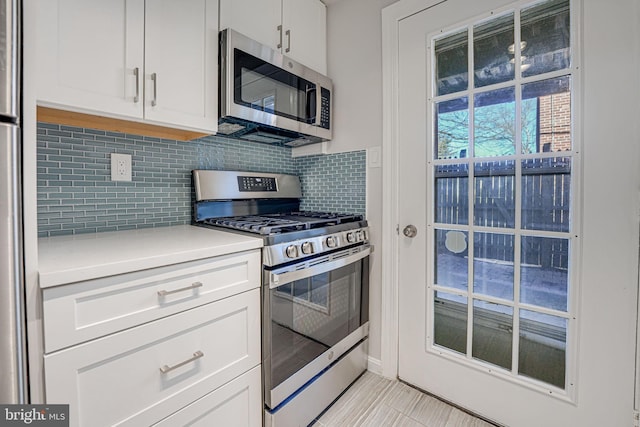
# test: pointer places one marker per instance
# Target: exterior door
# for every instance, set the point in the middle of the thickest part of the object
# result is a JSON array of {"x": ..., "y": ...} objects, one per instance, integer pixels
[{"x": 517, "y": 209}]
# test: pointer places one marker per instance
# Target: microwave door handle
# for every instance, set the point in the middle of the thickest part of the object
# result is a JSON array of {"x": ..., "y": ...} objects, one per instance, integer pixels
[
  {"x": 318, "y": 117},
  {"x": 312, "y": 93},
  {"x": 276, "y": 280}
]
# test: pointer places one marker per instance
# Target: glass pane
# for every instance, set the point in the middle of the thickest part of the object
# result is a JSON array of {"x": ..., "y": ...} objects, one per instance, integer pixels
[
  {"x": 320, "y": 290},
  {"x": 544, "y": 272},
  {"x": 452, "y": 268},
  {"x": 494, "y": 123},
  {"x": 265, "y": 87},
  {"x": 494, "y": 197},
  {"x": 546, "y": 116},
  {"x": 452, "y": 64},
  {"x": 546, "y": 191},
  {"x": 452, "y": 128},
  {"x": 450, "y": 321},
  {"x": 545, "y": 35},
  {"x": 491, "y": 57},
  {"x": 493, "y": 264},
  {"x": 301, "y": 289},
  {"x": 284, "y": 289},
  {"x": 452, "y": 194},
  {"x": 492, "y": 333},
  {"x": 543, "y": 343}
]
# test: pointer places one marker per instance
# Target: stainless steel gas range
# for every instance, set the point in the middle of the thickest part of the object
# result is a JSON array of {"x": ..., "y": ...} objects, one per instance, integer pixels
[{"x": 315, "y": 288}]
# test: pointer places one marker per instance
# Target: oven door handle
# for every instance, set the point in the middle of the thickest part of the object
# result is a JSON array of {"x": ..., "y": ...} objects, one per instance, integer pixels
[{"x": 276, "y": 280}]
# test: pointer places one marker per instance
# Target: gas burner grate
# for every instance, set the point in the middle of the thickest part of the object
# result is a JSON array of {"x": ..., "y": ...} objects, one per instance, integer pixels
[
  {"x": 258, "y": 224},
  {"x": 282, "y": 223},
  {"x": 338, "y": 217}
]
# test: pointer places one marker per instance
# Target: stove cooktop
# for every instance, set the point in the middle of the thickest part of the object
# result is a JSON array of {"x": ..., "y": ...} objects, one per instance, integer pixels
[{"x": 280, "y": 223}]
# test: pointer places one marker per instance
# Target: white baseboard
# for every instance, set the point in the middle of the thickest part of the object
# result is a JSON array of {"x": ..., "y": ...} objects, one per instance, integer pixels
[{"x": 374, "y": 366}]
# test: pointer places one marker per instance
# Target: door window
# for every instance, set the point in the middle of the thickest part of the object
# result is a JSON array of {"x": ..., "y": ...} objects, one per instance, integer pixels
[{"x": 501, "y": 171}]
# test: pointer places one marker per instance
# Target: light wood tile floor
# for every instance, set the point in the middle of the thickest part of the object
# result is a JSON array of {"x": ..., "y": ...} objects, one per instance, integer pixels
[{"x": 373, "y": 401}]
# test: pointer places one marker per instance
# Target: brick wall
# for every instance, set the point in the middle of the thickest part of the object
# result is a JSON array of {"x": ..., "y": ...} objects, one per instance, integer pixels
[{"x": 555, "y": 122}]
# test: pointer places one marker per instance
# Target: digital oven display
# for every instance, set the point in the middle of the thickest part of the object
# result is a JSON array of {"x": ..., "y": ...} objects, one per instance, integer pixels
[{"x": 254, "y": 183}]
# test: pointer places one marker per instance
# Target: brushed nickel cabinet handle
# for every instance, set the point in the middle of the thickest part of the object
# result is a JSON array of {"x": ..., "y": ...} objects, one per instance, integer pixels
[
  {"x": 197, "y": 355},
  {"x": 288, "y": 49},
  {"x": 195, "y": 285},
  {"x": 280, "y": 31},
  {"x": 136, "y": 72},
  {"x": 154, "y": 78}
]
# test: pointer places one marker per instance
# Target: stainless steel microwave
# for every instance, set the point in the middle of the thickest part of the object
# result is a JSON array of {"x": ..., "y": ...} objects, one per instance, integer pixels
[{"x": 268, "y": 97}]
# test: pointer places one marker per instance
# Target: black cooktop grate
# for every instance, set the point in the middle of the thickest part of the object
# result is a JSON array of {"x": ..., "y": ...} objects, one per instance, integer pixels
[{"x": 283, "y": 222}]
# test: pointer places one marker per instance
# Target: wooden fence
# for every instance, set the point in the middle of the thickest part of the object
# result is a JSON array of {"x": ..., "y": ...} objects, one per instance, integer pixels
[{"x": 545, "y": 198}]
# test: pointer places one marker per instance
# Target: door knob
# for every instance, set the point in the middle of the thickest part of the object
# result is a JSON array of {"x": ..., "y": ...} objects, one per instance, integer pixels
[{"x": 410, "y": 231}]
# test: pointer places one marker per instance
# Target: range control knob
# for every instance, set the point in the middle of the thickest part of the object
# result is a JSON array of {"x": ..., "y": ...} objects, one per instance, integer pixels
[
  {"x": 307, "y": 248},
  {"x": 332, "y": 242},
  {"x": 351, "y": 237},
  {"x": 292, "y": 251},
  {"x": 360, "y": 236}
]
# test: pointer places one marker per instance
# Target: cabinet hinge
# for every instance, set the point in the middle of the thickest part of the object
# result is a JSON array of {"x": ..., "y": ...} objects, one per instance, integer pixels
[
  {"x": 636, "y": 419},
  {"x": 397, "y": 228}
]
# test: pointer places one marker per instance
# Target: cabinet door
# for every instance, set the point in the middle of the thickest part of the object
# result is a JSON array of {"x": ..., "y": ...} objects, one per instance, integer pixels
[
  {"x": 256, "y": 19},
  {"x": 306, "y": 22},
  {"x": 181, "y": 54},
  {"x": 87, "y": 54}
]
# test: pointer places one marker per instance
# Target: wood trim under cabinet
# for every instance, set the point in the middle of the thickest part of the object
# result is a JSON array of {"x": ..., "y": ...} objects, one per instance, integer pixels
[{"x": 72, "y": 118}]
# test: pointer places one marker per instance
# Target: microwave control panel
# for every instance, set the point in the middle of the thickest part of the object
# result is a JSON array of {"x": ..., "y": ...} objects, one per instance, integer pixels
[{"x": 325, "y": 108}]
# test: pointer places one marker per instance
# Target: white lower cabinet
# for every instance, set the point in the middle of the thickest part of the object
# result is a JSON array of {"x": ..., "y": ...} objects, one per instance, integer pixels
[
  {"x": 142, "y": 375},
  {"x": 198, "y": 366},
  {"x": 237, "y": 404}
]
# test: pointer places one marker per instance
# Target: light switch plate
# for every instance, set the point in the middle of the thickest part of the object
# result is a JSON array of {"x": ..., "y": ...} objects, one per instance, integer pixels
[
  {"x": 120, "y": 167},
  {"x": 374, "y": 157}
]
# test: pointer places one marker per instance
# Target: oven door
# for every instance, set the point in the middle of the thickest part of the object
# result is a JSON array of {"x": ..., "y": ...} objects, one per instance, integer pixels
[{"x": 313, "y": 313}]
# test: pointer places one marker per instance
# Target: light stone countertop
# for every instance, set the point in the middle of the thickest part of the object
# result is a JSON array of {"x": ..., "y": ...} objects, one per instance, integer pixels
[{"x": 68, "y": 259}]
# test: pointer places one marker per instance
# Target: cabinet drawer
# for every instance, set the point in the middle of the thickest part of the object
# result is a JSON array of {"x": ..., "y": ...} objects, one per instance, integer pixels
[
  {"x": 86, "y": 310},
  {"x": 118, "y": 380},
  {"x": 238, "y": 403}
]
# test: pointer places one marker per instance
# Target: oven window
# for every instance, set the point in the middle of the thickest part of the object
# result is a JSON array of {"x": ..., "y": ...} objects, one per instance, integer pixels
[
  {"x": 312, "y": 292},
  {"x": 309, "y": 316},
  {"x": 265, "y": 87}
]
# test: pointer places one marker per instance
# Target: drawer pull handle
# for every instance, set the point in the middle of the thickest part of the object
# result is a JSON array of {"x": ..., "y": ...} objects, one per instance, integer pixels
[
  {"x": 187, "y": 288},
  {"x": 166, "y": 368}
]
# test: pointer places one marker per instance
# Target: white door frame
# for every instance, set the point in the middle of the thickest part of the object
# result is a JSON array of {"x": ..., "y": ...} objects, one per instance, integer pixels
[{"x": 391, "y": 17}]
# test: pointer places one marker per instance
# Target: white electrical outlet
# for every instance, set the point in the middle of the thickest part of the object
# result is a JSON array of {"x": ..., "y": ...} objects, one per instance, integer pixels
[{"x": 120, "y": 167}]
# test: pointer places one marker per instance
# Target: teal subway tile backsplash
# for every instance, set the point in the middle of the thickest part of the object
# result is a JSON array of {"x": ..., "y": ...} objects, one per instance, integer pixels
[
  {"x": 333, "y": 183},
  {"x": 76, "y": 194}
]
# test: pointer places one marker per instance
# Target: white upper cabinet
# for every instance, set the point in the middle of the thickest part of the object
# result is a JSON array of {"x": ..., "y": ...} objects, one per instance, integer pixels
[
  {"x": 306, "y": 22},
  {"x": 296, "y": 28},
  {"x": 88, "y": 53},
  {"x": 181, "y": 48},
  {"x": 260, "y": 25},
  {"x": 153, "y": 61}
]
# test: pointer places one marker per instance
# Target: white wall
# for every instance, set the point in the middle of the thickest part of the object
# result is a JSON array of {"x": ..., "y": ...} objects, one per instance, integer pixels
[{"x": 354, "y": 59}]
